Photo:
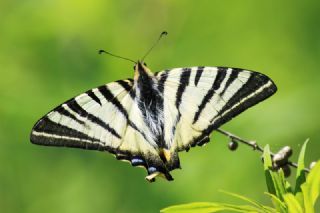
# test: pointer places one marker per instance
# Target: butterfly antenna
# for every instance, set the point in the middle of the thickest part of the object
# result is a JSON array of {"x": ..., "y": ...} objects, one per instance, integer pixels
[
  {"x": 128, "y": 59},
  {"x": 164, "y": 33}
]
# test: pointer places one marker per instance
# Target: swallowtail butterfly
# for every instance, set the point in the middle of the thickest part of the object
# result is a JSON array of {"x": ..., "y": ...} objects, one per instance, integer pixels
[{"x": 147, "y": 120}]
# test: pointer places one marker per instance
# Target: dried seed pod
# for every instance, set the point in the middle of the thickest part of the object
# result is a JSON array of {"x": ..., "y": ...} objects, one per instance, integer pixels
[
  {"x": 282, "y": 157},
  {"x": 287, "y": 151},
  {"x": 233, "y": 145},
  {"x": 279, "y": 159}
]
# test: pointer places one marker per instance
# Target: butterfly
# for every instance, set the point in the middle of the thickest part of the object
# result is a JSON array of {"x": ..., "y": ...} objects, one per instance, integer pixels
[{"x": 147, "y": 120}]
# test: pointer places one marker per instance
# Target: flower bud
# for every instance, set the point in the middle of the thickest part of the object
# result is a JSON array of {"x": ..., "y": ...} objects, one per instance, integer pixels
[
  {"x": 233, "y": 145},
  {"x": 282, "y": 157}
]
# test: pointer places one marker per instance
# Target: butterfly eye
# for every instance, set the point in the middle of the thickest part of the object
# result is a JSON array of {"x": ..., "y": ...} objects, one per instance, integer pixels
[
  {"x": 134, "y": 67},
  {"x": 144, "y": 64}
]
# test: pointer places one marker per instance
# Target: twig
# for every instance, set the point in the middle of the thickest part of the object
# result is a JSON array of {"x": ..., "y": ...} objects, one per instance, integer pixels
[{"x": 254, "y": 145}]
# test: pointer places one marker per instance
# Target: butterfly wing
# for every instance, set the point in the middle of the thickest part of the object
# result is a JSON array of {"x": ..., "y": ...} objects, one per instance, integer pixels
[
  {"x": 106, "y": 118},
  {"x": 198, "y": 100}
]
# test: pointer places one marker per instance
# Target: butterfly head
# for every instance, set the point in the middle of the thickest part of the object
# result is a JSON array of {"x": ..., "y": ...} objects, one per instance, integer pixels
[{"x": 141, "y": 69}]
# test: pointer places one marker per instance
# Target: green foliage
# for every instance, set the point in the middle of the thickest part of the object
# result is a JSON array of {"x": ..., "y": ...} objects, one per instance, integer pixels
[
  {"x": 283, "y": 198},
  {"x": 203, "y": 207}
]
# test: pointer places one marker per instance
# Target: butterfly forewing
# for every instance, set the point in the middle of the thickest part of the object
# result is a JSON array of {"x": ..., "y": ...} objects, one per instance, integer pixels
[{"x": 200, "y": 99}]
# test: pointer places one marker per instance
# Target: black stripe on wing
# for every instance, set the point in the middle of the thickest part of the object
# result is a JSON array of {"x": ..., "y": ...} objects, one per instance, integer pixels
[
  {"x": 127, "y": 86},
  {"x": 221, "y": 74},
  {"x": 112, "y": 99},
  {"x": 66, "y": 113},
  {"x": 48, "y": 133},
  {"x": 73, "y": 104},
  {"x": 161, "y": 83},
  {"x": 198, "y": 75},
  {"x": 91, "y": 94},
  {"x": 233, "y": 76},
  {"x": 255, "y": 82},
  {"x": 256, "y": 89},
  {"x": 184, "y": 82}
]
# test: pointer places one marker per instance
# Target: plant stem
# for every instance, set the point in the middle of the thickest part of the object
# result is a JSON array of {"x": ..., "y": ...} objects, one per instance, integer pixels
[{"x": 254, "y": 145}]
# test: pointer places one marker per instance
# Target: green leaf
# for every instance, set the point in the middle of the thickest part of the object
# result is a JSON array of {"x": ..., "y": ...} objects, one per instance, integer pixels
[
  {"x": 201, "y": 207},
  {"x": 300, "y": 176},
  {"x": 243, "y": 198},
  {"x": 308, "y": 206},
  {"x": 258, "y": 205},
  {"x": 269, "y": 176},
  {"x": 207, "y": 207},
  {"x": 288, "y": 187},
  {"x": 283, "y": 207},
  {"x": 267, "y": 170},
  {"x": 313, "y": 181},
  {"x": 281, "y": 181},
  {"x": 292, "y": 204},
  {"x": 270, "y": 209},
  {"x": 310, "y": 189},
  {"x": 275, "y": 180}
]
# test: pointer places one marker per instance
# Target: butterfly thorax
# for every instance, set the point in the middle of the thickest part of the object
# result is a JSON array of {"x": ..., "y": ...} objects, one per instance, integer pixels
[{"x": 150, "y": 102}]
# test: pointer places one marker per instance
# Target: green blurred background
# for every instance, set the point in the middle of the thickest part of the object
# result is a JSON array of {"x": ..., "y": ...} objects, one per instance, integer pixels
[{"x": 48, "y": 54}]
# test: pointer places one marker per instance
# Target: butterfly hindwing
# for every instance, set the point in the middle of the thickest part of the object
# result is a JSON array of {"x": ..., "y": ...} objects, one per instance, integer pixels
[{"x": 199, "y": 100}]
